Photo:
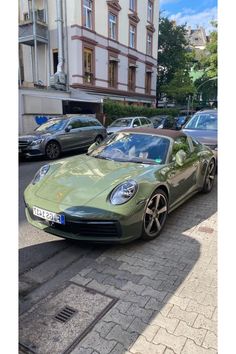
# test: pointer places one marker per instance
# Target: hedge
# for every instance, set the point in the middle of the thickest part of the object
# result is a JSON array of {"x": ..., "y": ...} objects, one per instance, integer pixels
[{"x": 115, "y": 110}]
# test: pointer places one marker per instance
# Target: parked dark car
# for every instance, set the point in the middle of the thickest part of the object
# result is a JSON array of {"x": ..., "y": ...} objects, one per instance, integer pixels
[
  {"x": 163, "y": 122},
  {"x": 203, "y": 127},
  {"x": 62, "y": 134}
]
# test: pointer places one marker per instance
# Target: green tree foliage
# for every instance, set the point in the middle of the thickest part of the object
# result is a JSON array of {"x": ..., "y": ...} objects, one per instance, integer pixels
[
  {"x": 209, "y": 61},
  {"x": 174, "y": 61},
  {"x": 180, "y": 87}
]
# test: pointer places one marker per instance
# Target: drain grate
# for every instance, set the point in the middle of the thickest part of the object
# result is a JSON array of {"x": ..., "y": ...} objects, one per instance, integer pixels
[{"x": 65, "y": 314}]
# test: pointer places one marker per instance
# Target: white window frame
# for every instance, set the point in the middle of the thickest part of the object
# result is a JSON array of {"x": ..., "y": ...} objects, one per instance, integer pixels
[
  {"x": 88, "y": 14},
  {"x": 112, "y": 26},
  {"x": 150, "y": 11},
  {"x": 132, "y": 5},
  {"x": 132, "y": 35},
  {"x": 149, "y": 44}
]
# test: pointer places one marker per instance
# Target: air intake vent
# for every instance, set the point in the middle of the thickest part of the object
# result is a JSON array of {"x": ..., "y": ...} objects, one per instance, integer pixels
[{"x": 65, "y": 314}]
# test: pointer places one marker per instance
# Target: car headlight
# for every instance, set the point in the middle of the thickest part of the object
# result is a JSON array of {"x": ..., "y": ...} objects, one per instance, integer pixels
[
  {"x": 123, "y": 192},
  {"x": 36, "y": 142},
  {"x": 40, "y": 174}
]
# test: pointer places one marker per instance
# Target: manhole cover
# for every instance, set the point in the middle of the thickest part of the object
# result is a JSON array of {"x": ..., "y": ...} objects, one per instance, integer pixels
[{"x": 57, "y": 323}]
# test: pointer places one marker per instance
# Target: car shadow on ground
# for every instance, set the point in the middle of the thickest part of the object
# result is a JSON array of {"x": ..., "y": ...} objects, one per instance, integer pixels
[{"x": 147, "y": 279}]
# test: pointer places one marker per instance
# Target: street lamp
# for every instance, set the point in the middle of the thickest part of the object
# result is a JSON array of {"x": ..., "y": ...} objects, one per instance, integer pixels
[{"x": 202, "y": 84}]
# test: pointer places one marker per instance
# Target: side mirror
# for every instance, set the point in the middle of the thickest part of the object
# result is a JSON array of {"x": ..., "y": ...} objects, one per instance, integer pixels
[
  {"x": 93, "y": 146},
  {"x": 68, "y": 129},
  {"x": 135, "y": 125},
  {"x": 180, "y": 157}
]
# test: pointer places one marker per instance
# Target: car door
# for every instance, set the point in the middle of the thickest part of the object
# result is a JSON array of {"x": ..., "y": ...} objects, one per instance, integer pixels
[
  {"x": 75, "y": 137},
  {"x": 182, "y": 179}
]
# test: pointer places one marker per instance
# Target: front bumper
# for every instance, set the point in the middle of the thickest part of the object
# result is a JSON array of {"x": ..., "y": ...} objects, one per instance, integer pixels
[
  {"x": 95, "y": 225},
  {"x": 31, "y": 151}
]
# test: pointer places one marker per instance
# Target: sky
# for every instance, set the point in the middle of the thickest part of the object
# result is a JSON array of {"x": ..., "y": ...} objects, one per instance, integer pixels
[{"x": 192, "y": 12}]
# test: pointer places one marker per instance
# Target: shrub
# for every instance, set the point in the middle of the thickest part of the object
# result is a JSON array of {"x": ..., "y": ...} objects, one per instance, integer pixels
[{"x": 115, "y": 110}]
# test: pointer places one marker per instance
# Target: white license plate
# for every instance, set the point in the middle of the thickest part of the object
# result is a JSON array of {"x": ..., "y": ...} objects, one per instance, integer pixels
[{"x": 49, "y": 215}]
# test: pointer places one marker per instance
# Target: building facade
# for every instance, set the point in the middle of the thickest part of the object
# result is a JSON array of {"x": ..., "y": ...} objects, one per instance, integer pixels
[{"x": 74, "y": 54}]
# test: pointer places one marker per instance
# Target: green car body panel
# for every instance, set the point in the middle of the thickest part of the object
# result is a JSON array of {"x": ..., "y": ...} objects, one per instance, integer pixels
[{"x": 80, "y": 187}]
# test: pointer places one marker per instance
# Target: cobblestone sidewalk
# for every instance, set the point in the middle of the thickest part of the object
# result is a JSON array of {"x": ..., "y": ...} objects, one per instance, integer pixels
[{"x": 167, "y": 288}]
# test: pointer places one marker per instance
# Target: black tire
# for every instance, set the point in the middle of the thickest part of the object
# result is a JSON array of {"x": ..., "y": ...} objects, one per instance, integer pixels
[
  {"x": 98, "y": 139},
  {"x": 52, "y": 150},
  {"x": 155, "y": 214},
  {"x": 210, "y": 177}
]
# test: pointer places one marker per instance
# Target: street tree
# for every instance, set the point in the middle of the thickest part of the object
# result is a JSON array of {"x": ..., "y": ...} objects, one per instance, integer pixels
[
  {"x": 174, "y": 59},
  {"x": 180, "y": 87}
]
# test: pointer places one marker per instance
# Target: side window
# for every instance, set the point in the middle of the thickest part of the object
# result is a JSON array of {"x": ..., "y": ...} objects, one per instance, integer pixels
[
  {"x": 136, "y": 123},
  {"x": 181, "y": 143},
  {"x": 75, "y": 123},
  {"x": 143, "y": 121},
  {"x": 95, "y": 123}
]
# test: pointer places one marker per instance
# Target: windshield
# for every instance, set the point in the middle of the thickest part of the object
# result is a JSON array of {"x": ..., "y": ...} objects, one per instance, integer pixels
[
  {"x": 133, "y": 147},
  {"x": 122, "y": 123},
  {"x": 206, "y": 121},
  {"x": 52, "y": 125}
]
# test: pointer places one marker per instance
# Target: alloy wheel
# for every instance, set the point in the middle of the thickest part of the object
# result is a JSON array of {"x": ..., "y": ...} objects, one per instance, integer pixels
[
  {"x": 155, "y": 215},
  {"x": 52, "y": 150}
]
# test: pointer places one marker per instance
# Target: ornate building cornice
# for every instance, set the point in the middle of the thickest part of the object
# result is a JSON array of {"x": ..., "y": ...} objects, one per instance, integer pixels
[
  {"x": 151, "y": 28},
  {"x": 134, "y": 17},
  {"x": 114, "y": 4}
]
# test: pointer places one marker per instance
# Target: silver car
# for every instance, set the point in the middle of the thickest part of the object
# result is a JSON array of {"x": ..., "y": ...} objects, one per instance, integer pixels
[
  {"x": 129, "y": 122},
  {"x": 62, "y": 134}
]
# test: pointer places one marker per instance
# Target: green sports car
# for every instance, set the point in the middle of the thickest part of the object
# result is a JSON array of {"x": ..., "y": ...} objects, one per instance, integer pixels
[{"x": 122, "y": 189}]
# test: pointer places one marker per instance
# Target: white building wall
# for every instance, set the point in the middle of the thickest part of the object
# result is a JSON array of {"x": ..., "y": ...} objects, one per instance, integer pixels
[
  {"x": 123, "y": 73},
  {"x": 101, "y": 62}
]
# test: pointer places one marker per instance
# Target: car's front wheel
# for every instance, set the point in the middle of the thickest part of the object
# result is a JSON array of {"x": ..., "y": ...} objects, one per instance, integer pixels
[
  {"x": 155, "y": 215},
  {"x": 52, "y": 150}
]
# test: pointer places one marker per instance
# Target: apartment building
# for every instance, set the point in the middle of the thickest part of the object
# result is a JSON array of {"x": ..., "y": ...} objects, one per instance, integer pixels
[{"x": 75, "y": 54}]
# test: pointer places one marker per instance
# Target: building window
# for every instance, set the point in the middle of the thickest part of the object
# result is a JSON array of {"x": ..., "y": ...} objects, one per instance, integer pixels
[
  {"x": 132, "y": 5},
  {"x": 132, "y": 36},
  {"x": 88, "y": 13},
  {"x": 149, "y": 44},
  {"x": 113, "y": 70},
  {"x": 88, "y": 66},
  {"x": 55, "y": 59},
  {"x": 132, "y": 77},
  {"x": 148, "y": 82},
  {"x": 112, "y": 26},
  {"x": 150, "y": 11}
]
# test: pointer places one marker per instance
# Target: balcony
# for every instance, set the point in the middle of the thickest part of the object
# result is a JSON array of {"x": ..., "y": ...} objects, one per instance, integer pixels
[{"x": 26, "y": 28}]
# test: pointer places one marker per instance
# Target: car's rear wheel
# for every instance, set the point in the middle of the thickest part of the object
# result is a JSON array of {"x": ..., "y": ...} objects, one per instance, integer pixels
[
  {"x": 210, "y": 177},
  {"x": 155, "y": 215},
  {"x": 52, "y": 150}
]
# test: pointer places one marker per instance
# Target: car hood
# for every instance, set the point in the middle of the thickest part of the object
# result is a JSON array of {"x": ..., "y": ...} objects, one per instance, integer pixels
[
  {"x": 207, "y": 137},
  {"x": 34, "y": 136},
  {"x": 80, "y": 179}
]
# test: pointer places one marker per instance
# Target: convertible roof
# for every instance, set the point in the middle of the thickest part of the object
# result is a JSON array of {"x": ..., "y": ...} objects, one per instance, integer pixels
[{"x": 174, "y": 134}]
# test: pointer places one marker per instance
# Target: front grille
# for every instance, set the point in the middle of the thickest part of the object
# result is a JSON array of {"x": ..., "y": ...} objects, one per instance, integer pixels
[
  {"x": 86, "y": 228},
  {"x": 24, "y": 144}
]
